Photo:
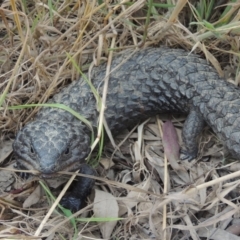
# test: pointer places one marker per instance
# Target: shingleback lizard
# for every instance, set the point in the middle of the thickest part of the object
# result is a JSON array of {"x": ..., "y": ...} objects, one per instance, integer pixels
[{"x": 152, "y": 81}]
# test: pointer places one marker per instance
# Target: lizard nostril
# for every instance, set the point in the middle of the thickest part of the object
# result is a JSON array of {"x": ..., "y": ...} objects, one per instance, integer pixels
[{"x": 48, "y": 170}]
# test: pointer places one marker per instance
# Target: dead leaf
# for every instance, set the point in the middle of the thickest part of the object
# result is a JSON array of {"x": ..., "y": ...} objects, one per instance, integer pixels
[
  {"x": 5, "y": 150},
  {"x": 105, "y": 206},
  {"x": 172, "y": 148},
  {"x": 106, "y": 163},
  {"x": 234, "y": 229},
  {"x": 6, "y": 179},
  {"x": 34, "y": 197},
  {"x": 56, "y": 182},
  {"x": 170, "y": 143},
  {"x": 216, "y": 234},
  {"x": 157, "y": 163},
  {"x": 134, "y": 197}
]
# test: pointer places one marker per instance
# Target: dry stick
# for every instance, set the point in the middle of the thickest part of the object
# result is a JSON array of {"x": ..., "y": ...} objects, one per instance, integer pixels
[
  {"x": 169, "y": 197},
  {"x": 86, "y": 24},
  {"x": 54, "y": 205},
  {"x": 117, "y": 147},
  {"x": 16, "y": 68},
  {"x": 134, "y": 37},
  {"x": 104, "y": 96},
  {"x": 205, "y": 224},
  {"x": 54, "y": 228},
  {"x": 191, "y": 189},
  {"x": 147, "y": 22},
  {"x": 99, "y": 49},
  {"x": 110, "y": 182},
  {"x": 104, "y": 121},
  {"x": 207, "y": 54},
  {"x": 17, "y": 20},
  {"x": 136, "y": 5},
  {"x": 53, "y": 11},
  {"x": 165, "y": 202},
  {"x": 74, "y": 26},
  {"x": 114, "y": 10},
  {"x": 165, "y": 190},
  {"x": 179, "y": 6},
  {"x": 195, "y": 189}
]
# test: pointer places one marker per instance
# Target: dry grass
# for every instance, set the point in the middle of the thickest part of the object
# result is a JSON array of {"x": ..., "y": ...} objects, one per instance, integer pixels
[{"x": 156, "y": 200}]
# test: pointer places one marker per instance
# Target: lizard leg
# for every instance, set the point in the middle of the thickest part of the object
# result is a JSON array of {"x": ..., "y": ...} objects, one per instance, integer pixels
[
  {"x": 75, "y": 199},
  {"x": 192, "y": 128}
]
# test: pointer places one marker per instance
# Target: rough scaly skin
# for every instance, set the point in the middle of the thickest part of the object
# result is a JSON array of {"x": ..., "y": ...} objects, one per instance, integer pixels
[{"x": 152, "y": 81}]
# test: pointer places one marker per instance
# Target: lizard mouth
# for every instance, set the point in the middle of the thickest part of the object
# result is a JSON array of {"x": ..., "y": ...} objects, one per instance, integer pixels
[
  {"x": 29, "y": 168},
  {"x": 64, "y": 171}
]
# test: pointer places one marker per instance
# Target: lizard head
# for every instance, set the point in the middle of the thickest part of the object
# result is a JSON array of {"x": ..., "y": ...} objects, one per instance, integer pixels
[{"x": 49, "y": 146}]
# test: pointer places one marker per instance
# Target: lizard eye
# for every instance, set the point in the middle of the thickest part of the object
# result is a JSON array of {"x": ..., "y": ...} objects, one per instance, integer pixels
[
  {"x": 67, "y": 151},
  {"x": 31, "y": 149}
]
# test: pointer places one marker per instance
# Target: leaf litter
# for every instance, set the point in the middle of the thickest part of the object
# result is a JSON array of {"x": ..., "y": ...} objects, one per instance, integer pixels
[{"x": 154, "y": 195}]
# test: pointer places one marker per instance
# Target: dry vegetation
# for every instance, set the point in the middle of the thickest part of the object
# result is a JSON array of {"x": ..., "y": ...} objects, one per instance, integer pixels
[{"x": 155, "y": 199}]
